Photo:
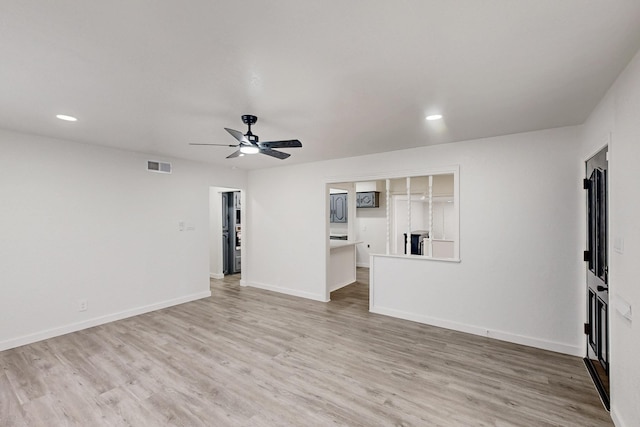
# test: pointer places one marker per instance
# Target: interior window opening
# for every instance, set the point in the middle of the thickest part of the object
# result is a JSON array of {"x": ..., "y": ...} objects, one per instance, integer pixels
[{"x": 413, "y": 216}]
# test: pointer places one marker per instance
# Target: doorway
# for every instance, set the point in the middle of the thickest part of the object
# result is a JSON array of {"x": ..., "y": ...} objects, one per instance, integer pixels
[
  {"x": 231, "y": 232},
  {"x": 597, "y": 289},
  {"x": 226, "y": 216}
]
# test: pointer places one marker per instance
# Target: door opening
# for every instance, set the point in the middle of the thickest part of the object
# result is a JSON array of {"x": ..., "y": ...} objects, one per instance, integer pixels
[
  {"x": 225, "y": 231},
  {"x": 597, "y": 289},
  {"x": 231, "y": 233}
]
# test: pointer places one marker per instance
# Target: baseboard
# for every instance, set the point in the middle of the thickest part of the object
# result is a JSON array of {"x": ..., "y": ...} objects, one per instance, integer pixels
[
  {"x": 287, "y": 291},
  {"x": 96, "y": 321},
  {"x": 342, "y": 285},
  {"x": 216, "y": 276},
  {"x": 477, "y": 330},
  {"x": 362, "y": 264},
  {"x": 616, "y": 420}
]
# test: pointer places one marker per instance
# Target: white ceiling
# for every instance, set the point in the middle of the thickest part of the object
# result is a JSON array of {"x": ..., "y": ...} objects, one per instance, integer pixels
[{"x": 345, "y": 77}]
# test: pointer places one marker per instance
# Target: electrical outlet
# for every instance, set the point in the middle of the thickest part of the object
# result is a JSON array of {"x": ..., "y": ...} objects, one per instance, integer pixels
[{"x": 82, "y": 305}]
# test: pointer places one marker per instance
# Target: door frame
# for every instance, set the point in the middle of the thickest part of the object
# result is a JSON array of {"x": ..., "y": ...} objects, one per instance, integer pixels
[
  {"x": 604, "y": 395},
  {"x": 215, "y": 229}
]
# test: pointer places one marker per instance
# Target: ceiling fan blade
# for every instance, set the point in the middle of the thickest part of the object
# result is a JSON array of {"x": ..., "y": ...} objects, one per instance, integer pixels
[
  {"x": 217, "y": 145},
  {"x": 238, "y": 135},
  {"x": 274, "y": 153},
  {"x": 291, "y": 143},
  {"x": 234, "y": 154}
]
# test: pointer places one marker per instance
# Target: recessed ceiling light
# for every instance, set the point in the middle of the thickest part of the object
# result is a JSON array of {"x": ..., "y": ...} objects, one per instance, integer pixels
[
  {"x": 66, "y": 118},
  {"x": 434, "y": 117}
]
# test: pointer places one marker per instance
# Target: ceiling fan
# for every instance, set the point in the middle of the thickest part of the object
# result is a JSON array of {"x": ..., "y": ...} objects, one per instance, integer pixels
[{"x": 249, "y": 143}]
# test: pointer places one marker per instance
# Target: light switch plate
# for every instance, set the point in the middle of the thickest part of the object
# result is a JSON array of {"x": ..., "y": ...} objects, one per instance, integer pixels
[
  {"x": 618, "y": 244},
  {"x": 623, "y": 307}
]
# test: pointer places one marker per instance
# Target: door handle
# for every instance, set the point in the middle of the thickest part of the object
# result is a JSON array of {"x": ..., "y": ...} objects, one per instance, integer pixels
[{"x": 602, "y": 288}]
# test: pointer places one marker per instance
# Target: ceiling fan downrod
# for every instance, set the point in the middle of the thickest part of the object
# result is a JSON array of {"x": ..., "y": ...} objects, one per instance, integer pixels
[{"x": 249, "y": 119}]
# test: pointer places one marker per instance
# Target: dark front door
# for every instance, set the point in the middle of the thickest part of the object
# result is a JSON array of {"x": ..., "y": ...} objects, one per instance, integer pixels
[{"x": 597, "y": 328}]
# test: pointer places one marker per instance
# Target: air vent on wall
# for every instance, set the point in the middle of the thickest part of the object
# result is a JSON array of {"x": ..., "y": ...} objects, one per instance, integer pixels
[{"x": 160, "y": 167}]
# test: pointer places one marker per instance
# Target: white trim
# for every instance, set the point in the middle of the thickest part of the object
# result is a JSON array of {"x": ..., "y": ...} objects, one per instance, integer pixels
[
  {"x": 478, "y": 330},
  {"x": 287, "y": 291},
  {"x": 342, "y": 285},
  {"x": 96, "y": 321},
  {"x": 362, "y": 264},
  {"x": 388, "y": 214},
  {"x": 416, "y": 257},
  {"x": 371, "y": 281},
  {"x": 327, "y": 232},
  {"x": 605, "y": 143},
  {"x": 216, "y": 276},
  {"x": 430, "y": 251},
  {"x": 456, "y": 212},
  {"x": 407, "y": 241},
  {"x": 617, "y": 421},
  {"x": 443, "y": 170}
]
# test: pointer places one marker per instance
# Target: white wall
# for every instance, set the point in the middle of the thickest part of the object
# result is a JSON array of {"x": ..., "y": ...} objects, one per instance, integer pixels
[
  {"x": 86, "y": 222},
  {"x": 287, "y": 226},
  {"x": 371, "y": 225},
  {"x": 443, "y": 219},
  {"x": 518, "y": 278},
  {"x": 618, "y": 114},
  {"x": 520, "y": 245}
]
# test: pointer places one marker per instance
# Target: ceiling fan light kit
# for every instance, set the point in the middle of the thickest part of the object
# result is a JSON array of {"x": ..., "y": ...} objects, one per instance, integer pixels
[
  {"x": 248, "y": 143},
  {"x": 249, "y": 149}
]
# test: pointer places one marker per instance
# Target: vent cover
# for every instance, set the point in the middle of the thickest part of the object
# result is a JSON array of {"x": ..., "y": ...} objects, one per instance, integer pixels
[{"x": 159, "y": 167}]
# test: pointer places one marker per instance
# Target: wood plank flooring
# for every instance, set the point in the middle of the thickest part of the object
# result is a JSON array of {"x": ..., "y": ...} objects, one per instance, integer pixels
[{"x": 248, "y": 357}]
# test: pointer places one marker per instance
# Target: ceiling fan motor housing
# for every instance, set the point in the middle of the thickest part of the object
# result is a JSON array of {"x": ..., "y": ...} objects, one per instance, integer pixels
[{"x": 249, "y": 119}]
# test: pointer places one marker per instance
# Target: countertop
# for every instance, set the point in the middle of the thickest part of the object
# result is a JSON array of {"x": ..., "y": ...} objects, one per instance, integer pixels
[{"x": 334, "y": 244}]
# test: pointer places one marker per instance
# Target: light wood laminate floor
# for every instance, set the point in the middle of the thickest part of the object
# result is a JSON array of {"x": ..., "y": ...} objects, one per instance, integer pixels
[{"x": 247, "y": 357}]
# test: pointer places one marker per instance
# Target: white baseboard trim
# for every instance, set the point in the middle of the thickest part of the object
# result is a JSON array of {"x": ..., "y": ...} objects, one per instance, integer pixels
[
  {"x": 342, "y": 285},
  {"x": 287, "y": 291},
  {"x": 216, "y": 275},
  {"x": 96, "y": 321},
  {"x": 616, "y": 420},
  {"x": 362, "y": 264},
  {"x": 477, "y": 330}
]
